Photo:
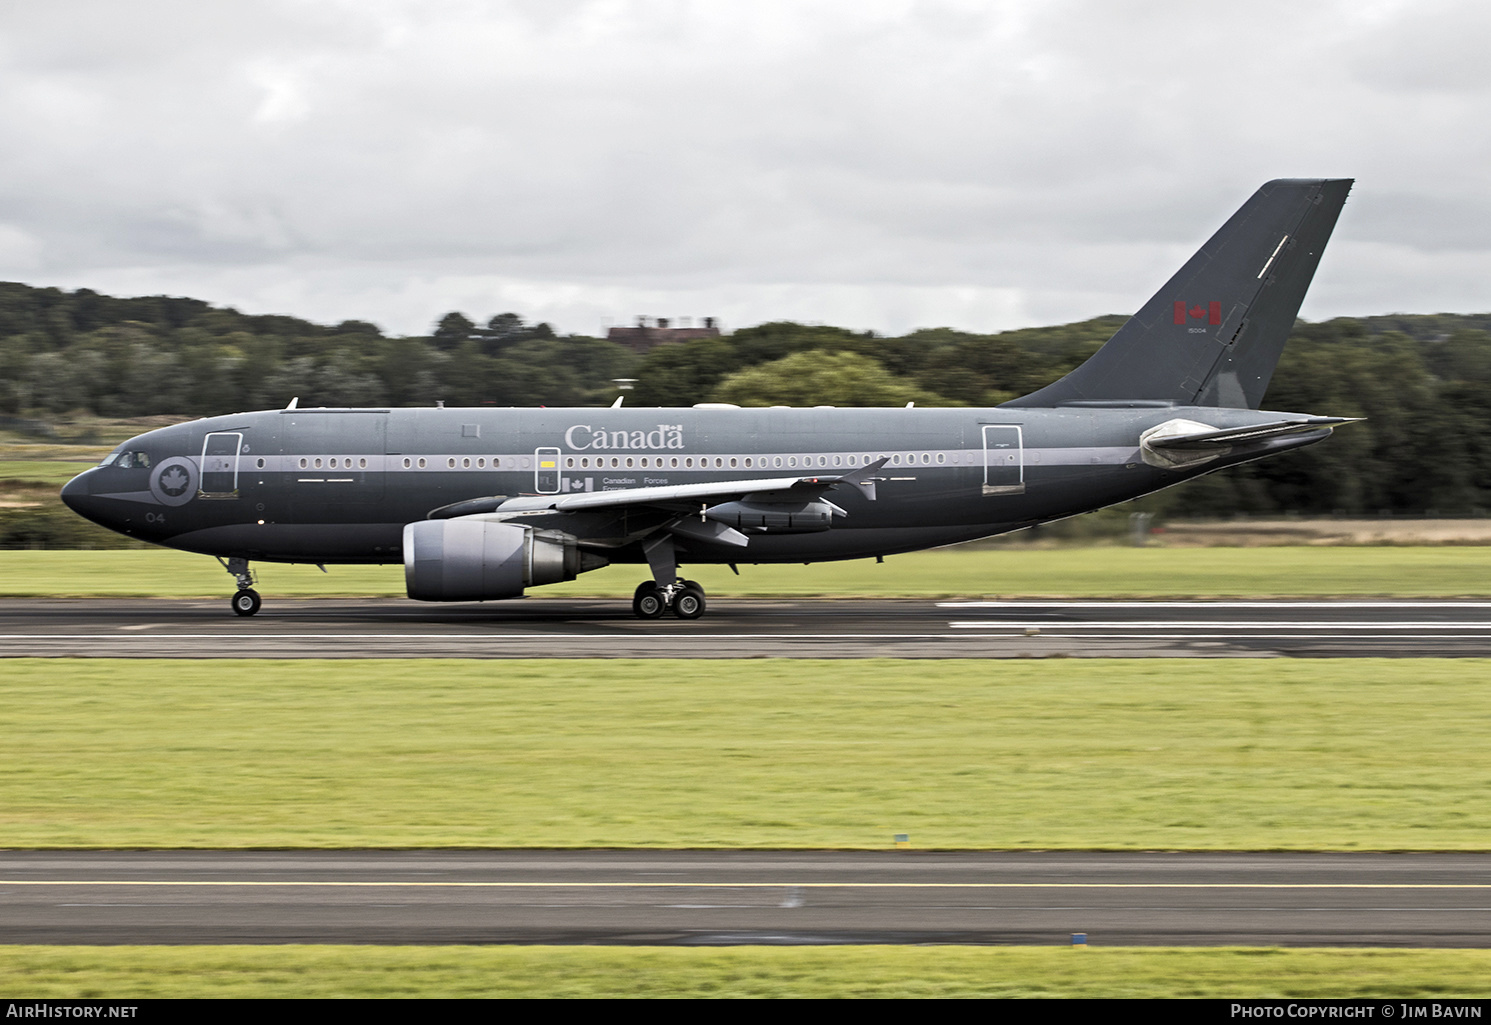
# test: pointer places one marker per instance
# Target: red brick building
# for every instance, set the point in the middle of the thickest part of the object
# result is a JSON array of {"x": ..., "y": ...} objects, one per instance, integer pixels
[{"x": 645, "y": 336}]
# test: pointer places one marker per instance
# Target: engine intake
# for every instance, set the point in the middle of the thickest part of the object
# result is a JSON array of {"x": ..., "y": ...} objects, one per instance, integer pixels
[{"x": 481, "y": 560}]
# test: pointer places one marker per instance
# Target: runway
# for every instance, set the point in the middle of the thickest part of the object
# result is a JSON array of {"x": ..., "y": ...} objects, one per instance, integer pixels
[
  {"x": 701, "y": 897},
  {"x": 745, "y": 628}
]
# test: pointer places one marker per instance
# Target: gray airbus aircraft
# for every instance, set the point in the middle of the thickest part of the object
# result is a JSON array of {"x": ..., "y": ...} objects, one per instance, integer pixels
[{"x": 480, "y": 504}]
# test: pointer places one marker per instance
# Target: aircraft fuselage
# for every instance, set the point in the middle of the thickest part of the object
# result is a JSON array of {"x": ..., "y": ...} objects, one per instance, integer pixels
[{"x": 338, "y": 485}]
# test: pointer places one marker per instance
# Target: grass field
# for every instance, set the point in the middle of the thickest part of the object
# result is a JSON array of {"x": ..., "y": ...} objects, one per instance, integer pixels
[
  {"x": 1082, "y": 572},
  {"x": 51, "y": 472},
  {"x": 123, "y": 973},
  {"x": 1142, "y": 754}
]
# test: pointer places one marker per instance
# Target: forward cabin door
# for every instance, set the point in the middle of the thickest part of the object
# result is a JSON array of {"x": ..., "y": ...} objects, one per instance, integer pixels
[
  {"x": 220, "y": 465},
  {"x": 1004, "y": 459}
]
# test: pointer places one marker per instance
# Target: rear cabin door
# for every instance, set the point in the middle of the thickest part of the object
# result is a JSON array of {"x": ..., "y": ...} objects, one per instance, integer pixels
[{"x": 1004, "y": 459}]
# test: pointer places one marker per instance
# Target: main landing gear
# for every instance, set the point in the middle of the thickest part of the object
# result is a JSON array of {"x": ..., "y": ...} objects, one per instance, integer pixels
[
  {"x": 245, "y": 601},
  {"x": 685, "y": 598},
  {"x": 666, "y": 590}
]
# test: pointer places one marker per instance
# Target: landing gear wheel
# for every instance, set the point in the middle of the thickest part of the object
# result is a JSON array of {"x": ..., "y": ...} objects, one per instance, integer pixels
[
  {"x": 689, "y": 602},
  {"x": 648, "y": 602},
  {"x": 246, "y": 602}
]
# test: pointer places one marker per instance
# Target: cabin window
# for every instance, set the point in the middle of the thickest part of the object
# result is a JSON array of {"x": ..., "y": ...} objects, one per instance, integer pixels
[
  {"x": 261, "y": 462},
  {"x": 689, "y": 462},
  {"x": 570, "y": 463},
  {"x": 316, "y": 462},
  {"x": 748, "y": 462},
  {"x": 303, "y": 462},
  {"x": 732, "y": 462},
  {"x": 450, "y": 464},
  {"x": 615, "y": 462},
  {"x": 495, "y": 461},
  {"x": 406, "y": 462},
  {"x": 718, "y": 462},
  {"x": 628, "y": 462},
  {"x": 674, "y": 462},
  {"x": 942, "y": 457},
  {"x": 466, "y": 463},
  {"x": 421, "y": 462}
]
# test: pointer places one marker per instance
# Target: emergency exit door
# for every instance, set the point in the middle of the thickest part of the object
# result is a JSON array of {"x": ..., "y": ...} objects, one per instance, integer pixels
[{"x": 546, "y": 471}]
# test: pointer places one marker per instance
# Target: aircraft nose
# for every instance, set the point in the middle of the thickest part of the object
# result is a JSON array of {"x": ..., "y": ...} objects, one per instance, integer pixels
[{"x": 76, "y": 492}]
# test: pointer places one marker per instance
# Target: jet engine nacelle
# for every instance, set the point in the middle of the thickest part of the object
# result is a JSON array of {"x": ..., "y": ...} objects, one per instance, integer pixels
[
  {"x": 479, "y": 560},
  {"x": 774, "y": 517}
]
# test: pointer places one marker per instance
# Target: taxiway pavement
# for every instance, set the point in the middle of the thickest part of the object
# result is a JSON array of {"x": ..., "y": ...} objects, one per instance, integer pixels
[{"x": 745, "y": 628}]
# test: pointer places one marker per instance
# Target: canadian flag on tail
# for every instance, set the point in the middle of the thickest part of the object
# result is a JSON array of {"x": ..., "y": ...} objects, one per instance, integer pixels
[{"x": 1185, "y": 312}]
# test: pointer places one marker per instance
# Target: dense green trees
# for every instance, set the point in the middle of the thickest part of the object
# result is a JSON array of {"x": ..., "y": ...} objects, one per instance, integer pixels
[{"x": 1422, "y": 382}]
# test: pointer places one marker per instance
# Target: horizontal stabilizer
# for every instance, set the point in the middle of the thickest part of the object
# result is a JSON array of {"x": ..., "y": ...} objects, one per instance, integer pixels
[
  {"x": 1237, "y": 435},
  {"x": 1179, "y": 444}
]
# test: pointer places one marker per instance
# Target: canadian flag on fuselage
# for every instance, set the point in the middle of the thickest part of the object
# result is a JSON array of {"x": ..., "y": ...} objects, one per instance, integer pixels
[{"x": 1185, "y": 312}]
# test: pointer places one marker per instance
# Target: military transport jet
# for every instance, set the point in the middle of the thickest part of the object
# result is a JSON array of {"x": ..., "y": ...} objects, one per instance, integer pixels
[{"x": 480, "y": 504}]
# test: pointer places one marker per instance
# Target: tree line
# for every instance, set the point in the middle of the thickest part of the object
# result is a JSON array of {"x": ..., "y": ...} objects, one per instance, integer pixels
[{"x": 1422, "y": 382}]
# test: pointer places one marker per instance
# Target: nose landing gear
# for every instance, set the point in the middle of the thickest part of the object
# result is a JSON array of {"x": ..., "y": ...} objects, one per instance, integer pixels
[{"x": 246, "y": 600}]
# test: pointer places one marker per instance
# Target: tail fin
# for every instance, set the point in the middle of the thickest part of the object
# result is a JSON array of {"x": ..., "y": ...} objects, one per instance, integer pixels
[{"x": 1213, "y": 334}]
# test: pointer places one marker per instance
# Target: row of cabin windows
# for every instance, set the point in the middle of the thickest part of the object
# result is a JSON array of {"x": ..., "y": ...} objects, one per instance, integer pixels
[
  {"x": 629, "y": 462},
  {"x": 735, "y": 462},
  {"x": 332, "y": 463}
]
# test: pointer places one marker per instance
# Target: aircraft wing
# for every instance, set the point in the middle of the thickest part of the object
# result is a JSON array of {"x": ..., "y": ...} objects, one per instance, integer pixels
[{"x": 711, "y": 493}]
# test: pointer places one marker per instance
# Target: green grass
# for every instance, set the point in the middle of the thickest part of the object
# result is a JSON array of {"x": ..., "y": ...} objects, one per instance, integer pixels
[
  {"x": 1089, "y": 572},
  {"x": 1141, "y": 754},
  {"x": 123, "y": 973},
  {"x": 49, "y": 472}
]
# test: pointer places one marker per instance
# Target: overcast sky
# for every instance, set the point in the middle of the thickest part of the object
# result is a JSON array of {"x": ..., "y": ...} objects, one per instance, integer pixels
[{"x": 885, "y": 164}]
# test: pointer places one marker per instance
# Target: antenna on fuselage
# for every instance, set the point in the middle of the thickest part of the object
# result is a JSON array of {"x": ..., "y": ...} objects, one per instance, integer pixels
[
  {"x": 293, "y": 402},
  {"x": 617, "y": 403}
]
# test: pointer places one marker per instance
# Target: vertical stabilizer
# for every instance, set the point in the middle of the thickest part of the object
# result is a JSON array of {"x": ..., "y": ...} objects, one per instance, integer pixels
[{"x": 1213, "y": 334}]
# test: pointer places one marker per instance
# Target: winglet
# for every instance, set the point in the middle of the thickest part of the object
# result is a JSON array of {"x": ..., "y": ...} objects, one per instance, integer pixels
[{"x": 863, "y": 480}]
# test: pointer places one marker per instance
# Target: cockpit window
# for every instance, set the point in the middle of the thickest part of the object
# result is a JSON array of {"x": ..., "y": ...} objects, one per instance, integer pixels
[
  {"x": 131, "y": 460},
  {"x": 109, "y": 458}
]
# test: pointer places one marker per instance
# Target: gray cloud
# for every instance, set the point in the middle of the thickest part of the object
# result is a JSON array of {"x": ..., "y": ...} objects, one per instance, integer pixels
[{"x": 878, "y": 163}]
